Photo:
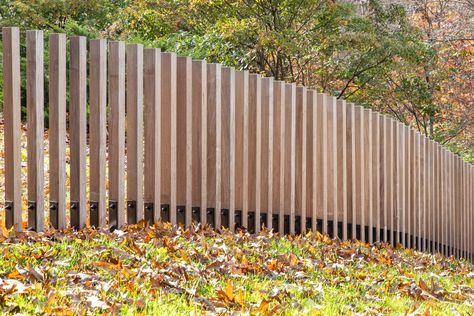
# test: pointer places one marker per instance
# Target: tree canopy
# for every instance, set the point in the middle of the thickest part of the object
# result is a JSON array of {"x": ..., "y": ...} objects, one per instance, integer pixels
[{"x": 413, "y": 60}]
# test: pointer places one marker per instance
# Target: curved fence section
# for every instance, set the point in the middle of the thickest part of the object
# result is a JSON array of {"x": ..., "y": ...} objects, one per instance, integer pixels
[{"x": 155, "y": 136}]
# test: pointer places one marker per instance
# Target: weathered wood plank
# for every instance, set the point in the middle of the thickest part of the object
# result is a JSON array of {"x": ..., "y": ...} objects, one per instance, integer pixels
[
  {"x": 184, "y": 136},
  {"x": 116, "y": 131},
  {"x": 135, "y": 209},
  {"x": 243, "y": 98},
  {"x": 310, "y": 160},
  {"x": 152, "y": 133},
  {"x": 322, "y": 100},
  {"x": 98, "y": 131},
  {"x": 199, "y": 91},
  {"x": 57, "y": 130},
  {"x": 35, "y": 125},
  {"x": 267, "y": 149},
  {"x": 255, "y": 104},
  {"x": 214, "y": 72},
  {"x": 291, "y": 102},
  {"x": 347, "y": 152},
  {"x": 280, "y": 129},
  {"x": 12, "y": 126},
  {"x": 78, "y": 129},
  {"x": 300, "y": 154},
  {"x": 168, "y": 134}
]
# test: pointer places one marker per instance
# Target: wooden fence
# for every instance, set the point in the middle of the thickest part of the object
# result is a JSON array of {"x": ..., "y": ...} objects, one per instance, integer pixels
[{"x": 182, "y": 140}]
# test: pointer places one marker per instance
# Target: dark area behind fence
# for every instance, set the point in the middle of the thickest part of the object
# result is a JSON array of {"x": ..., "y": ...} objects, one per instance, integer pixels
[{"x": 182, "y": 140}]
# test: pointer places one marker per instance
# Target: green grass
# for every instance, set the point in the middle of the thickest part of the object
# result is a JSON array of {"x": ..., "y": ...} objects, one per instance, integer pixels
[{"x": 160, "y": 271}]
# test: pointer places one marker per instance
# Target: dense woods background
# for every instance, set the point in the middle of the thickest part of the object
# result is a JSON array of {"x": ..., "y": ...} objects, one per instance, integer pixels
[{"x": 413, "y": 59}]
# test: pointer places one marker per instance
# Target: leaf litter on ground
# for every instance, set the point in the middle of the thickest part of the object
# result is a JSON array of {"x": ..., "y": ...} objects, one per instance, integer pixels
[{"x": 158, "y": 269}]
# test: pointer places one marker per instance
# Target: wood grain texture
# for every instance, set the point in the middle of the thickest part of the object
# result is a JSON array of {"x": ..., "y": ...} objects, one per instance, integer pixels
[
  {"x": 280, "y": 130},
  {"x": 12, "y": 127},
  {"x": 349, "y": 132},
  {"x": 356, "y": 170},
  {"x": 322, "y": 100},
  {"x": 291, "y": 102},
  {"x": 227, "y": 129},
  {"x": 135, "y": 132},
  {"x": 35, "y": 125},
  {"x": 199, "y": 100},
  {"x": 214, "y": 72},
  {"x": 116, "y": 132},
  {"x": 267, "y": 149},
  {"x": 301, "y": 129},
  {"x": 344, "y": 163},
  {"x": 184, "y": 136},
  {"x": 78, "y": 129},
  {"x": 255, "y": 151},
  {"x": 313, "y": 158},
  {"x": 240, "y": 132},
  {"x": 320, "y": 156},
  {"x": 332, "y": 162},
  {"x": 168, "y": 133},
  {"x": 243, "y": 99},
  {"x": 57, "y": 130},
  {"x": 152, "y": 129},
  {"x": 98, "y": 131}
]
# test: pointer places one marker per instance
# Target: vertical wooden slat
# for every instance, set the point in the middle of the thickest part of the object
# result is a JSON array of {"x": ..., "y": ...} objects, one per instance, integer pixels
[
  {"x": 332, "y": 165},
  {"x": 370, "y": 170},
  {"x": 357, "y": 183},
  {"x": 255, "y": 104},
  {"x": 12, "y": 128},
  {"x": 228, "y": 143},
  {"x": 277, "y": 209},
  {"x": 376, "y": 128},
  {"x": 135, "y": 210},
  {"x": 437, "y": 216},
  {"x": 213, "y": 140},
  {"x": 348, "y": 162},
  {"x": 152, "y": 133},
  {"x": 311, "y": 159},
  {"x": 116, "y": 155},
  {"x": 232, "y": 149},
  {"x": 338, "y": 167},
  {"x": 77, "y": 133},
  {"x": 291, "y": 101},
  {"x": 319, "y": 153},
  {"x": 342, "y": 165},
  {"x": 409, "y": 189},
  {"x": 417, "y": 191},
  {"x": 98, "y": 131},
  {"x": 366, "y": 173},
  {"x": 218, "y": 148},
  {"x": 405, "y": 170},
  {"x": 35, "y": 124},
  {"x": 322, "y": 100},
  {"x": 244, "y": 100},
  {"x": 426, "y": 199},
  {"x": 184, "y": 136},
  {"x": 189, "y": 144},
  {"x": 168, "y": 134},
  {"x": 57, "y": 130},
  {"x": 443, "y": 171},
  {"x": 199, "y": 91},
  {"x": 225, "y": 140},
  {"x": 267, "y": 150},
  {"x": 282, "y": 159},
  {"x": 301, "y": 127},
  {"x": 400, "y": 179},
  {"x": 387, "y": 171},
  {"x": 238, "y": 144}
]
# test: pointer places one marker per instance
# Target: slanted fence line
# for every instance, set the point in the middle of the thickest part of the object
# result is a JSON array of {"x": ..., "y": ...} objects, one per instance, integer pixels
[{"x": 185, "y": 141}]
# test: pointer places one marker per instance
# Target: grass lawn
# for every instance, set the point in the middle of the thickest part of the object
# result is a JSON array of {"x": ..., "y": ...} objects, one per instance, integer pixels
[{"x": 155, "y": 270}]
